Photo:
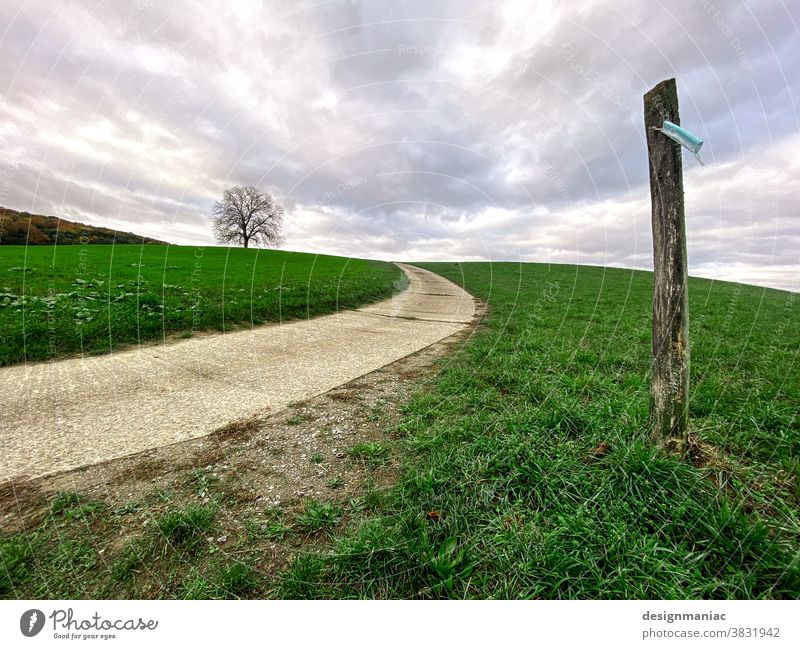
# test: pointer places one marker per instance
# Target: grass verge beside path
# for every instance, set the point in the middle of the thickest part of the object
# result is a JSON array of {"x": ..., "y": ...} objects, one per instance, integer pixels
[
  {"x": 92, "y": 299},
  {"x": 528, "y": 474}
]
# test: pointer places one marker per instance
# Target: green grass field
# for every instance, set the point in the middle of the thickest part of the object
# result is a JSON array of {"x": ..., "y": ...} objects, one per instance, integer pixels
[
  {"x": 528, "y": 473},
  {"x": 91, "y": 299}
]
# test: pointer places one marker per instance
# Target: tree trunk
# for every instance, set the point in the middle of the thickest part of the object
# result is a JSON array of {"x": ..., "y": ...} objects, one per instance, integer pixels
[{"x": 669, "y": 375}]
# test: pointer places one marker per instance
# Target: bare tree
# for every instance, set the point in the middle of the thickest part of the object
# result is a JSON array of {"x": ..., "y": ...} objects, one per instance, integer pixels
[{"x": 246, "y": 215}]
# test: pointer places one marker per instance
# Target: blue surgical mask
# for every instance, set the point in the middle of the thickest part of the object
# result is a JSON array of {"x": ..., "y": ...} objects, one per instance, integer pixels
[{"x": 682, "y": 137}]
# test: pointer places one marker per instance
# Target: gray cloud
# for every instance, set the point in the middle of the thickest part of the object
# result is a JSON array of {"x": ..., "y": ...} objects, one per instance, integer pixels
[{"x": 410, "y": 130}]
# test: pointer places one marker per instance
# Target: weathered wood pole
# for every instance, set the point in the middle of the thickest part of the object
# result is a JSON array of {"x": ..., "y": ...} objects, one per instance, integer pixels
[{"x": 669, "y": 372}]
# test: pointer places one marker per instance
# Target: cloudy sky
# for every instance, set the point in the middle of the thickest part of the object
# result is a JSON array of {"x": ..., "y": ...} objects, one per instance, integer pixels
[{"x": 417, "y": 129}]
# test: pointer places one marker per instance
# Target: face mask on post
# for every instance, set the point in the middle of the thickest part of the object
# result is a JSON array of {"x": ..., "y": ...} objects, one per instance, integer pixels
[{"x": 682, "y": 137}]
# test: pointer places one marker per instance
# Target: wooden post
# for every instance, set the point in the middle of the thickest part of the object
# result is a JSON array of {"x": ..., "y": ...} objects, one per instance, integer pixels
[{"x": 669, "y": 372}]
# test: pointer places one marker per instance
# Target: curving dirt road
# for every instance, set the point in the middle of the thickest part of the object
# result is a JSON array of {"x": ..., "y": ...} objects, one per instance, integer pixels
[{"x": 66, "y": 414}]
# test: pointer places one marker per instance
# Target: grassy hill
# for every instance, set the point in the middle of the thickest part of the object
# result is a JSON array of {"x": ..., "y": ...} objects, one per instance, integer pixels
[
  {"x": 532, "y": 452},
  {"x": 23, "y": 228},
  {"x": 527, "y": 472},
  {"x": 62, "y": 300}
]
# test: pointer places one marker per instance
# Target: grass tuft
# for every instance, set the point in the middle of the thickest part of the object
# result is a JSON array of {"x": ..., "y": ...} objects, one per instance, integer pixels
[
  {"x": 373, "y": 454},
  {"x": 318, "y": 515},
  {"x": 185, "y": 528}
]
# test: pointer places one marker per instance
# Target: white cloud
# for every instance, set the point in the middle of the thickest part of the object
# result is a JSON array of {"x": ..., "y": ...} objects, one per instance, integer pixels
[{"x": 456, "y": 129}]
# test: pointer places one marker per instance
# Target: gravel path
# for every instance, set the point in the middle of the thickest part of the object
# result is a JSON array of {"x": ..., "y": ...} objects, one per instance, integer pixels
[{"x": 66, "y": 414}]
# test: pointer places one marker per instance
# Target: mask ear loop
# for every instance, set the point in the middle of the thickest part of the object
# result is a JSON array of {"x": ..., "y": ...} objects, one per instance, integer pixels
[{"x": 695, "y": 153}]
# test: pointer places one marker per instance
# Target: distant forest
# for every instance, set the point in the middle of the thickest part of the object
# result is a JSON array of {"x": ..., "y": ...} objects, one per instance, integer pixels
[{"x": 23, "y": 228}]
